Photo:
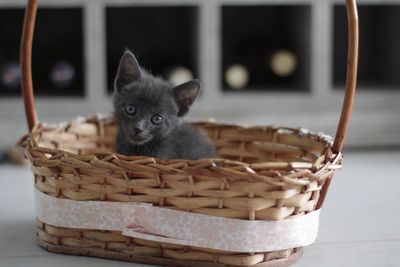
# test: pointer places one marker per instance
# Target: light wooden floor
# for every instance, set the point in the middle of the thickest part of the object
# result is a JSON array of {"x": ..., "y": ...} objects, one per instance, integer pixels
[{"x": 360, "y": 223}]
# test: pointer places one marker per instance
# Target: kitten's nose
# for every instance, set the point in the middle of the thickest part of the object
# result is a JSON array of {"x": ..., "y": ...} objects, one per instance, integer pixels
[{"x": 137, "y": 130}]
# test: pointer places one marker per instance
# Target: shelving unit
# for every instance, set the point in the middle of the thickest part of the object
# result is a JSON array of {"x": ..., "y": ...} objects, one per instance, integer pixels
[
  {"x": 57, "y": 52},
  {"x": 208, "y": 35},
  {"x": 379, "y": 46},
  {"x": 253, "y": 41},
  {"x": 162, "y": 37},
  {"x": 9, "y": 74}
]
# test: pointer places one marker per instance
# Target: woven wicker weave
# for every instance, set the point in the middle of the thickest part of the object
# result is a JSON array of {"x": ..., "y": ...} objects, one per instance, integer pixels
[{"x": 263, "y": 173}]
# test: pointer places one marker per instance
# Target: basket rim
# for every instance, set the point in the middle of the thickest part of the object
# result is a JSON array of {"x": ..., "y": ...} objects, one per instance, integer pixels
[{"x": 28, "y": 141}]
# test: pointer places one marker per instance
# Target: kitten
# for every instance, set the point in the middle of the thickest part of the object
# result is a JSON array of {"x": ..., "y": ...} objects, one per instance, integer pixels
[{"x": 148, "y": 111}]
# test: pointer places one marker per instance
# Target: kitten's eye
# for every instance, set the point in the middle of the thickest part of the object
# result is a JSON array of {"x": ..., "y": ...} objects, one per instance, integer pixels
[
  {"x": 130, "y": 109},
  {"x": 156, "y": 119}
]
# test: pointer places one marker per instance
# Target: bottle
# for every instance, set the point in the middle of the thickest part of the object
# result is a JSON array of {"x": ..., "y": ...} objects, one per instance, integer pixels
[
  {"x": 179, "y": 75},
  {"x": 62, "y": 74},
  {"x": 283, "y": 63},
  {"x": 237, "y": 76},
  {"x": 10, "y": 75}
]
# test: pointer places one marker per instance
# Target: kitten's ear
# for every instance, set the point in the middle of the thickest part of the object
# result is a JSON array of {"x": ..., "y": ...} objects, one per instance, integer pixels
[
  {"x": 185, "y": 94},
  {"x": 128, "y": 71}
]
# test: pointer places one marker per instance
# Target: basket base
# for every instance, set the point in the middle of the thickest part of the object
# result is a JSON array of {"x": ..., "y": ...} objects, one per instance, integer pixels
[{"x": 98, "y": 253}]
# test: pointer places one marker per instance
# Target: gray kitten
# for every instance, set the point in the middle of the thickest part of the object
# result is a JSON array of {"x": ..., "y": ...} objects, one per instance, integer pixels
[{"x": 148, "y": 111}]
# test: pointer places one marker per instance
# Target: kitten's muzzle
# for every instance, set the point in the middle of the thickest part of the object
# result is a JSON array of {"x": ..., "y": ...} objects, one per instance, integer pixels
[
  {"x": 139, "y": 140},
  {"x": 137, "y": 130},
  {"x": 140, "y": 136}
]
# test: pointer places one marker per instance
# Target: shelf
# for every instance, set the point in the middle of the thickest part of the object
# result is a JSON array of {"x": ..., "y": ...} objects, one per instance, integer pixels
[
  {"x": 161, "y": 37},
  {"x": 57, "y": 60},
  {"x": 252, "y": 36},
  {"x": 379, "y": 54},
  {"x": 10, "y": 29}
]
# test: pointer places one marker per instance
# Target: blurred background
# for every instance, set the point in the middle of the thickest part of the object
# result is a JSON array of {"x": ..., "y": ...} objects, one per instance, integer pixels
[{"x": 261, "y": 62}]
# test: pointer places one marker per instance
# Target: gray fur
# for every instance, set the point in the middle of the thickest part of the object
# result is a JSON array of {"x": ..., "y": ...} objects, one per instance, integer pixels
[{"x": 150, "y": 95}]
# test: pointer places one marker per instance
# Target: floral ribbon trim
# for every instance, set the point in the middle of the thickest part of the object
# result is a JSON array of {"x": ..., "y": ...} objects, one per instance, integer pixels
[{"x": 159, "y": 224}]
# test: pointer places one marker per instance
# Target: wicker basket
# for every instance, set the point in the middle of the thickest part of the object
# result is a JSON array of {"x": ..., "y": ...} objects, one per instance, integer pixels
[{"x": 263, "y": 173}]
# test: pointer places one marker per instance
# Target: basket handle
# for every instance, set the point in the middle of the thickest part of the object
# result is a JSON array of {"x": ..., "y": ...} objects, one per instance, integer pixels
[
  {"x": 27, "y": 86},
  {"x": 26, "y": 63},
  {"x": 351, "y": 78}
]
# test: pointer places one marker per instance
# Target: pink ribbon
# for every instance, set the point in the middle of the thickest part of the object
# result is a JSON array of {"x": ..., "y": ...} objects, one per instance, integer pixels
[{"x": 149, "y": 222}]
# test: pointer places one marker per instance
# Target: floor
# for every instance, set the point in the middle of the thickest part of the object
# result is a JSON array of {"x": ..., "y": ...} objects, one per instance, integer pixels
[{"x": 360, "y": 223}]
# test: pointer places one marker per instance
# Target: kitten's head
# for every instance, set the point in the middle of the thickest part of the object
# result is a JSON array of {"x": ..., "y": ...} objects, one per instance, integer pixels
[{"x": 148, "y": 107}]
